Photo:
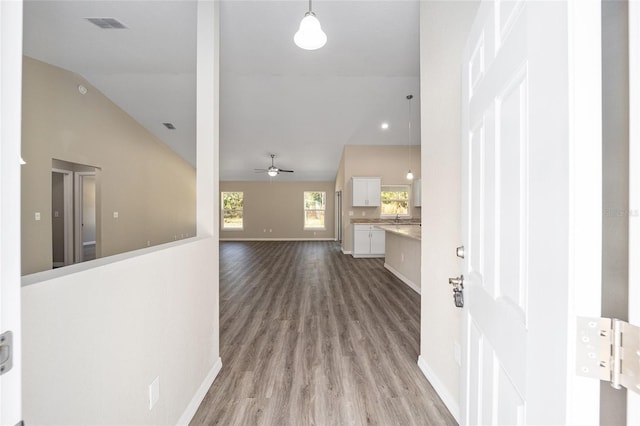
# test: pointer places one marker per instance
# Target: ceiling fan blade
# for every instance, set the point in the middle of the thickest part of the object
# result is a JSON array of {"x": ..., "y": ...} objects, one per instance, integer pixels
[
  {"x": 286, "y": 171},
  {"x": 260, "y": 170}
]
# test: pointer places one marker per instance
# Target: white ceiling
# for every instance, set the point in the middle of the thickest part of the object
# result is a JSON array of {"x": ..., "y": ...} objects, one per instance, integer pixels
[{"x": 303, "y": 106}]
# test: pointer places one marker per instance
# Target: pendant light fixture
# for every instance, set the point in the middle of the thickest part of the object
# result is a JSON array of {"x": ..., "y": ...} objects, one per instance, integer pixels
[
  {"x": 310, "y": 35},
  {"x": 409, "y": 173}
]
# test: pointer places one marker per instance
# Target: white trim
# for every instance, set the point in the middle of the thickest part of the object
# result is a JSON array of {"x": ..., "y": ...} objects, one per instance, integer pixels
[
  {"x": 10, "y": 209},
  {"x": 440, "y": 388},
  {"x": 198, "y": 397},
  {"x": 67, "y": 184},
  {"x": 78, "y": 195},
  {"x": 585, "y": 201},
  {"x": 345, "y": 251},
  {"x": 413, "y": 286},
  {"x": 277, "y": 239}
]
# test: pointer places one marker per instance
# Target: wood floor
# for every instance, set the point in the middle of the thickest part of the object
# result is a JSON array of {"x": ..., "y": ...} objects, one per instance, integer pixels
[{"x": 310, "y": 336}]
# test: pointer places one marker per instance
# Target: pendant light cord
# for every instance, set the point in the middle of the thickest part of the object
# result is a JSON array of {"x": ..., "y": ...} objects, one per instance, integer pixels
[{"x": 409, "y": 97}]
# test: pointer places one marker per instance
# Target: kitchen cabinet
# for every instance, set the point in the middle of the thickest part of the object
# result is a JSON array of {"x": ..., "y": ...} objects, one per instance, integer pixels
[
  {"x": 365, "y": 192},
  {"x": 417, "y": 192},
  {"x": 368, "y": 241}
]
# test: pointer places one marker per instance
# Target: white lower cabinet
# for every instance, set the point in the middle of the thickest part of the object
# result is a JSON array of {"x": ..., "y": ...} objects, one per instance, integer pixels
[{"x": 368, "y": 241}]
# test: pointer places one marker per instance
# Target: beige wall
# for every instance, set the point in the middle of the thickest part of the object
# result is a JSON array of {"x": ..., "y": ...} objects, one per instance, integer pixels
[
  {"x": 443, "y": 30},
  {"x": 389, "y": 163},
  {"x": 275, "y": 210},
  {"x": 151, "y": 187}
]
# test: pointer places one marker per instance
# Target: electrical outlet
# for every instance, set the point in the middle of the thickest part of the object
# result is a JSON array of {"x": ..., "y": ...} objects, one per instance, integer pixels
[
  {"x": 350, "y": 212},
  {"x": 115, "y": 215},
  {"x": 154, "y": 392},
  {"x": 364, "y": 213}
]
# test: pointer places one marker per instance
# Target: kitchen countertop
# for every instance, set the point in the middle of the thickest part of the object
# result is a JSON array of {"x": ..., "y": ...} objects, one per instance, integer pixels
[
  {"x": 385, "y": 221},
  {"x": 413, "y": 231}
]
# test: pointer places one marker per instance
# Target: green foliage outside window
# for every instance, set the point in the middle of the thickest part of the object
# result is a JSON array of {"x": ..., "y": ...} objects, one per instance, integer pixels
[
  {"x": 232, "y": 210},
  {"x": 314, "y": 209},
  {"x": 394, "y": 200}
]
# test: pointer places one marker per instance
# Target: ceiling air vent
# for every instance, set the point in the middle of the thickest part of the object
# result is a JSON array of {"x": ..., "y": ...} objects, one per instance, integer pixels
[
  {"x": 169, "y": 126},
  {"x": 107, "y": 23}
]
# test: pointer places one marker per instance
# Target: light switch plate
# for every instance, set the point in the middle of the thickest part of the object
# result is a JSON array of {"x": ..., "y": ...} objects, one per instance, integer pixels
[
  {"x": 115, "y": 215},
  {"x": 37, "y": 215}
]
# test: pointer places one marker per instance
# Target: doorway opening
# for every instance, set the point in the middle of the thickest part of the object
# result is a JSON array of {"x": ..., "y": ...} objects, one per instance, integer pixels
[{"x": 74, "y": 220}]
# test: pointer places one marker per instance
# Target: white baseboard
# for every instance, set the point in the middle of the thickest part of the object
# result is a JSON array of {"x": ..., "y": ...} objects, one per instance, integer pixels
[
  {"x": 446, "y": 397},
  {"x": 197, "y": 399},
  {"x": 346, "y": 251},
  {"x": 277, "y": 239},
  {"x": 413, "y": 286}
]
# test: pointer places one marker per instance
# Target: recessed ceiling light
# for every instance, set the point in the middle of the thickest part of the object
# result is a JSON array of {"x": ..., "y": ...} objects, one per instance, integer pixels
[
  {"x": 169, "y": 126},
  {"x": 384, "y": 126}
]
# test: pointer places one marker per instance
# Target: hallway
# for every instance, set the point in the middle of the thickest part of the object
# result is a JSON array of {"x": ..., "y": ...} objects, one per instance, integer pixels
[{"x": 309, "y": 335}]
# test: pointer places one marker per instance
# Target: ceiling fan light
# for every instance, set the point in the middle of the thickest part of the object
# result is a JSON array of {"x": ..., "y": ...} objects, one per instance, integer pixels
[
  {"x": 272, "y": 172},
  {"x": 409, "y": 175},
  {"x": 310, "y": 35}
]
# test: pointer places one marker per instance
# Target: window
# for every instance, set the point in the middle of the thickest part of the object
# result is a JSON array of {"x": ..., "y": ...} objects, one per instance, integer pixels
[
  {"x": 232, "y": 203},
  {"x": 394, "y": 200},
  {"x": 314, "y": 208}
]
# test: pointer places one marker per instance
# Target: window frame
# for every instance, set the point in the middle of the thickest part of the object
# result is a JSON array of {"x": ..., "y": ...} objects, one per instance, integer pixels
[
  {"x": 323, "y": 210},
  {"x": 223, "y": 210},
  {"x": 398, "y": 188}
]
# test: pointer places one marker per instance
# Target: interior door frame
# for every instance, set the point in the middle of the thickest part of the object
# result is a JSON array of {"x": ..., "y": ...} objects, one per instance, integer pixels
[
  {"x": 338, "y": 217},
  {"x": 78, "y": 198},
  {"x": 68, "y": 214},
  {"x": 633, "y": 399},
  {"x": 10, "y": 207}
]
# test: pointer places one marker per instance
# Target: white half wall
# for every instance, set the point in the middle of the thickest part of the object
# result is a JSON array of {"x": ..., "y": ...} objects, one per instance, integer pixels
[
  {"x": 94, "y": 340},
  {"x": 443, "y": 31}
]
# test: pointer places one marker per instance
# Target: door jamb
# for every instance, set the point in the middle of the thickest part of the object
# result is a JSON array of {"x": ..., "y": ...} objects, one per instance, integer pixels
[
  {"x": 78, "y": 211},
  {"x": 68, "y": 214},
  {"x": 633, "y": 399}
]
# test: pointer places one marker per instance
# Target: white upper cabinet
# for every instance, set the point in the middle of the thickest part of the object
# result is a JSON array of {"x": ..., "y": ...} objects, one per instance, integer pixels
[
  {"x": 366, "y": 192},
  {"x": 417, "y": 192}
]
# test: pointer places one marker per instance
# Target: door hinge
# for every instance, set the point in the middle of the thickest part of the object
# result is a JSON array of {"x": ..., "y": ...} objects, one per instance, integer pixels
[
  {"x": 609, "y": 349},
  {"x": 6, "y": 352}
]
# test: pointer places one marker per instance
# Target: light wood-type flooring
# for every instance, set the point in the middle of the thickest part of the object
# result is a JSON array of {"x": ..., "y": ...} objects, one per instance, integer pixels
[{"x": 310, "y": 336}]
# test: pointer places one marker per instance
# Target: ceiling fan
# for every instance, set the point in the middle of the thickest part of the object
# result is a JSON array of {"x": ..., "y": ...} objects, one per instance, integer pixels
[{"x": 272, "y": 170}]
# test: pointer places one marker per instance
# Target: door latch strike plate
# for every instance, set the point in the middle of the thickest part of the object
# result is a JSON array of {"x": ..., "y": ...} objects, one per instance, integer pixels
[{"x": 6, "y": 352}]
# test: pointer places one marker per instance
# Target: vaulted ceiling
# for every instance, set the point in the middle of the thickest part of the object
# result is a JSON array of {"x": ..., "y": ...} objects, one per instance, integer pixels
[{"x": 303, "y": 106}]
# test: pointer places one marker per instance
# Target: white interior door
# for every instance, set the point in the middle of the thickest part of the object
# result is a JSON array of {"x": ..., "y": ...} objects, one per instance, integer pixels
[
  {"x": 633, "y": 399},
  {"x": 522, "y": 186},
  {"x": 10, "y": 117}
]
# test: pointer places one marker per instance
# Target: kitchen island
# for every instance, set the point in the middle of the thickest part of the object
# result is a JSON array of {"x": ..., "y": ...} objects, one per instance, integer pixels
[{"x": 402, "y": 252}]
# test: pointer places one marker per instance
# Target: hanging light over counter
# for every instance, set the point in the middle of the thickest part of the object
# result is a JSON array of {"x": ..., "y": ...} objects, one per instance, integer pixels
[
  {"x": 409, "y": 173},
  {"x": 310, "y": 35}
]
